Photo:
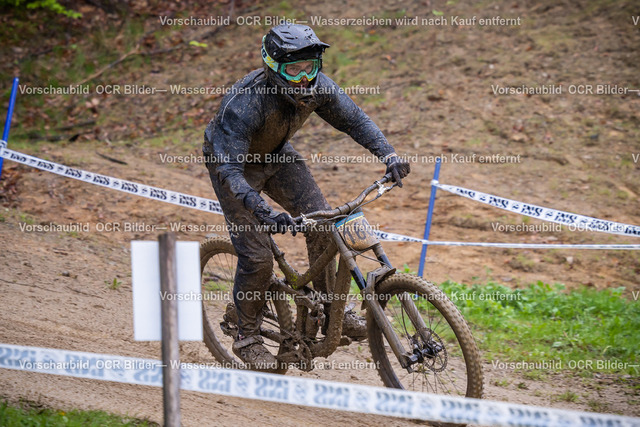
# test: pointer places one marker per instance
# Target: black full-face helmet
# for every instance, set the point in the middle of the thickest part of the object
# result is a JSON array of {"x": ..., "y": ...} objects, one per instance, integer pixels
[{"x": 291, "y": 52}]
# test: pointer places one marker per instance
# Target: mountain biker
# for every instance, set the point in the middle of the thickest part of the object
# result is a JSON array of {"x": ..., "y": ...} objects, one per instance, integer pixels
[{"x": 247, "y": 151}]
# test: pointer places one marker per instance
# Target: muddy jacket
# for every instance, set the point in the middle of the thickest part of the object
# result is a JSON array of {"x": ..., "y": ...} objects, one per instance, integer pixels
[{"x": 255, "y": 121}]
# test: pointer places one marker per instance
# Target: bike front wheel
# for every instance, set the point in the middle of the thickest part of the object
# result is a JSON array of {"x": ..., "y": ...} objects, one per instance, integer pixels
[
  {"x": 449, "y": 359},
  {"x": 218, "y": 261}
]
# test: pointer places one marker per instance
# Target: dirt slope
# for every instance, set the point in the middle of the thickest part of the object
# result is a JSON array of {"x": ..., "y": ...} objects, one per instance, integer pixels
[{"x": 436, "y": 97}]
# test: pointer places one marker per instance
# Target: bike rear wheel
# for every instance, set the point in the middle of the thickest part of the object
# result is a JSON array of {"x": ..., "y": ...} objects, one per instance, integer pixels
[
  {"x": 218, "y": 262},
  {"x": 453, "y": 365}
]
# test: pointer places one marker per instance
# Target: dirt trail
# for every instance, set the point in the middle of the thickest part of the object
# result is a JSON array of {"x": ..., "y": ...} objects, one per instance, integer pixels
[
  {"x": 576, "y": 153},
  {"x": 52, "y": 299}
]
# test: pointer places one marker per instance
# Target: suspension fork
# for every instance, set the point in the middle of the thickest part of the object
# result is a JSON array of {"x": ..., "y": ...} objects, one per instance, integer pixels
[
  {"x": 367, "y": 288},
  {"x": 408, "y": 303}
]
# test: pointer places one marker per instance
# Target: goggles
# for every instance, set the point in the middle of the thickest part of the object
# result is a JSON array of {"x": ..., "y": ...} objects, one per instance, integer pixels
[{"x": 293, "y": 71}]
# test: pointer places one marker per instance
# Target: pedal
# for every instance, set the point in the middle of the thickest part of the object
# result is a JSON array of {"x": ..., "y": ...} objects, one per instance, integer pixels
[{"x": 230, "y": 330}]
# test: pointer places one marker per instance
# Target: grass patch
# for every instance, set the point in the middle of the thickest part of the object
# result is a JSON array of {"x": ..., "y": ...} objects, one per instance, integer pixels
[
  {"x": 26, "y": 219},
  {"x": 31, "y": 415},
  {"x": 501, "y": 383},
  {"x": 568, "y": 396},
  {"x": 213, "y": 286},
  {"x": 597, "y": 405},
  {"x": 534, "y": 374},
  {"x": 114, "y": 284},
  {"x": 545, "y": 323}
]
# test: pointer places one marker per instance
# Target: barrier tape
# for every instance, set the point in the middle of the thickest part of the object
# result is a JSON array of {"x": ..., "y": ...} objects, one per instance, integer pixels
[
  {"x": 213, "y": 206},
  {"x": 130, "y": 187},
  {"x": 392, "y": 237},
  {"x": 581, "y": 222},
  {"x": 300, "y": 391}
]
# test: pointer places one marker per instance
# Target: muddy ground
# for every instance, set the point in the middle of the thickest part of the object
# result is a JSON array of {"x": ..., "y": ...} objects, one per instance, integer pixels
[{"x": 566, "y": 151}]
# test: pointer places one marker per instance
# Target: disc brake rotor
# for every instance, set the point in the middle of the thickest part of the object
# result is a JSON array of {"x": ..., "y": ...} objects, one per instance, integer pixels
[{"x": 431, "y": 355}]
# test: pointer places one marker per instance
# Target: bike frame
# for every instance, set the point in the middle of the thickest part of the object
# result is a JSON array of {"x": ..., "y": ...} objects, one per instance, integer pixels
[{"x": 295, "y": 283}]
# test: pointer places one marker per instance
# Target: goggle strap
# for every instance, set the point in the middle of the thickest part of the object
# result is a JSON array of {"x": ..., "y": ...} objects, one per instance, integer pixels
[
  {"x": 271, "y": 63},
  {"x": 278, "y": 67}
]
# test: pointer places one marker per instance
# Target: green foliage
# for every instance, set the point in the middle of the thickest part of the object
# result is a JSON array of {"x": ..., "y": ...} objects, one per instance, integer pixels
[
  {"x": 543, "y": 322},
  {"x": 568, "y": 396},
  {"x": 534, "y": 374},
  {"x": 406, "y": 269},
  {"x": 114, "y": 284},
  {"x": 51, "y": 5},
  {"x": 35, "y": 416},
  {"x": 27, "y": 219},
  {"x": 215, "y": 286},
  {"x": 197, "y": 44},
  {"x": 598, "y": 405}
]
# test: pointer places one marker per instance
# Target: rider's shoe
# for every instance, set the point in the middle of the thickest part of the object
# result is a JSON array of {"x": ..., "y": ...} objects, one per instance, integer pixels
[
  {"x": 230, "y": 314},
  {"x": 354, "y": 326},
  {"x": 252, "y": 352}
]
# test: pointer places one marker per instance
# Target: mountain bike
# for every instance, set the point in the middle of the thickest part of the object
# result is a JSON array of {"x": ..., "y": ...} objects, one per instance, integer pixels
[{"x": 418, "y": 339}]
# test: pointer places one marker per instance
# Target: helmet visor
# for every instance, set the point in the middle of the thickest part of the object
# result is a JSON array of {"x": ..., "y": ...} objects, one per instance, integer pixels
[{"x": 295, "y": 71}]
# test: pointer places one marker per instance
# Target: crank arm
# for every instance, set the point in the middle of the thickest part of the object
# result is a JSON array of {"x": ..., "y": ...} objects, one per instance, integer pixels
[
  {"x": 299, "y": 296},
  {"x": 272, "y": 335}
]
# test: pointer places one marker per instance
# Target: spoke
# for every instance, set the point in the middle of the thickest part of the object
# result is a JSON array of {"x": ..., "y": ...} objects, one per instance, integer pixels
[
  {"x": 438, "y": 324},
  {"x": 453, "y": 382},
  {"x": 229, "y": 268},
  {"x": 405, "y": 375},
  {"x": 404, "y": 326},
  {"x": 424, "y": 378},
  {"x": 438, "y": 378}
]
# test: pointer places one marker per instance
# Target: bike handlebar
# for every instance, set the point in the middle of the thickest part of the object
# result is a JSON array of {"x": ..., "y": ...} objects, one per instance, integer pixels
[{"x": 347, "y": 207}]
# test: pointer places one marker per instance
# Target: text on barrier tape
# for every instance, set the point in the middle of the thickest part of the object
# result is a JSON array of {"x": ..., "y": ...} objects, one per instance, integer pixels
[
  {"x": 300, "y": 391},
  {"x": 130, "y": 187},
  {"x": 581, "y": 222},
  {"x": 213, "y": 206},
  {"x": 392, "y": 237}
]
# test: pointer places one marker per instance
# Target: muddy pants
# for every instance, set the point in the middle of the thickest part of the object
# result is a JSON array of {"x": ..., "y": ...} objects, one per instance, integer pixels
[{"x": 290, "y": 184}]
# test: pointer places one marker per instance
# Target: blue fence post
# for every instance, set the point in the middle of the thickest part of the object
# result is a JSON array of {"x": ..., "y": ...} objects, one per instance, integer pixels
[
  {"x": 7, "y": 122},
  {"x": 427, "y": 226}
]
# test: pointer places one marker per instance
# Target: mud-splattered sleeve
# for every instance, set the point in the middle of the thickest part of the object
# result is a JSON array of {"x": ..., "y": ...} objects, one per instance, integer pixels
[
  {"x": 228, "y": 138},
  {"x": 339, "y": 110}
]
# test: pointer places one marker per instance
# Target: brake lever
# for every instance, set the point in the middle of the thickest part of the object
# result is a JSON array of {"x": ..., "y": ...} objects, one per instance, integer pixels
[
  {"x": 382, "y": 189},
  {"x": 303, "y": 223},
  {"x": 307, "y": 222}
]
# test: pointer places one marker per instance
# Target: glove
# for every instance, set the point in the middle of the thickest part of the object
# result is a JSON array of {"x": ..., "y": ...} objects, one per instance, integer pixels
[
  {"x": 397, "y": 168},
  {"x": 278, "y": 222}
]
